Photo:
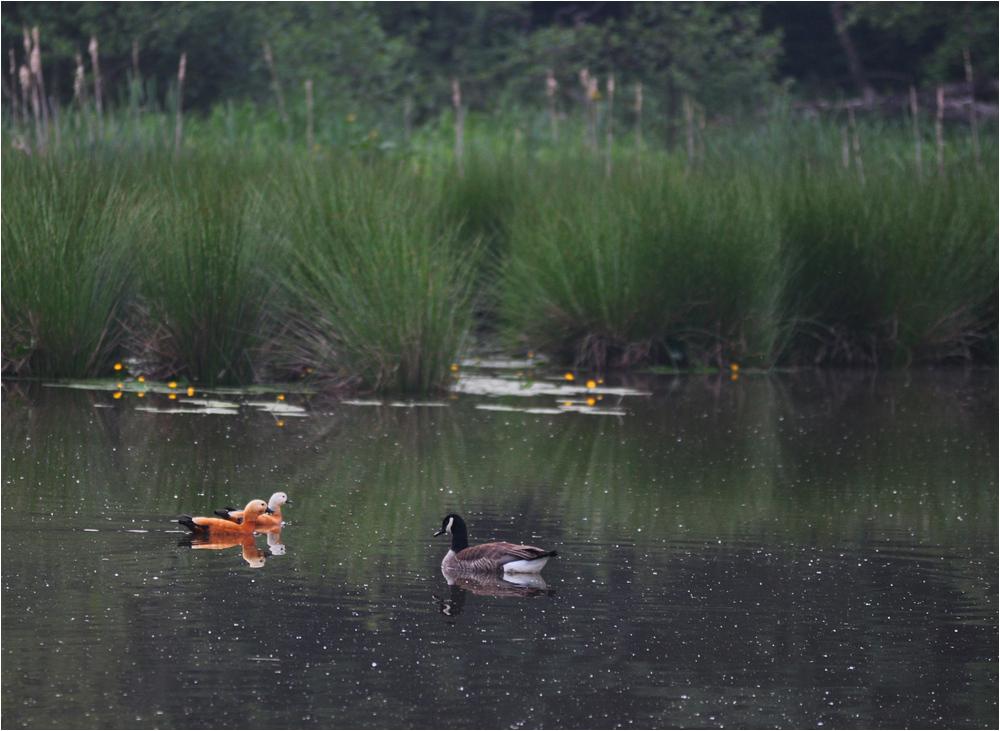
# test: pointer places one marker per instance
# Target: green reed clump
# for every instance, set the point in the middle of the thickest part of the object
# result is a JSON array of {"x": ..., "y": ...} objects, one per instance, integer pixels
[
  {"x": 891, "y": 268},
  {"x": 661, "y": 268},
  {"x": 68, "y": 265},
  {"x": 377, "y": 292},
  {"x": 206, "y": 291}
]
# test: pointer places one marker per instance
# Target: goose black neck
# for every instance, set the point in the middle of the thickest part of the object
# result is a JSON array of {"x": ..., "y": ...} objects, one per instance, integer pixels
[{"x": 459, "y": 535}]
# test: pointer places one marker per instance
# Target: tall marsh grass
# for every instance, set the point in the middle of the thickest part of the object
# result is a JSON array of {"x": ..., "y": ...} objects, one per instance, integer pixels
[
  {"x": 68, "y": 267},
  {"x": 208, "y": 274},
  {"x": 660, "y": 268},
  {"x": 891, "y": 270},
  {"x": 377, "y": 292},
  {"x": 237, "y": 260},
  {"x": 769, "y": 252}
]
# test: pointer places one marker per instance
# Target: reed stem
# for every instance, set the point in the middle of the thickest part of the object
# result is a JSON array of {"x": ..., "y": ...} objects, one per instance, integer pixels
[
  {"x": 456, "y": 99},
  {"x": 179, "y": 126},
  {"x": 611, "y": 104},
  {"x": 309, "y": 114},
  {"x": 939, "y": 131},
  {"x": 973, "y": 122},
  {"x": 550, "y": 91},
  {"x": 638, "y": 129},
  {"x": 856, "y": 143},
  {"x": 689, "y": 120},
  {"x": 918, "y": 148},
  {"x": 276, "y": 83},
  {"x": 98, "y": 100}
]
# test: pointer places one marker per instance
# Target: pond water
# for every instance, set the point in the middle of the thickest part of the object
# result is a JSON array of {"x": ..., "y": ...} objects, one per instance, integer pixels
[{"x": 773, "y": 550}]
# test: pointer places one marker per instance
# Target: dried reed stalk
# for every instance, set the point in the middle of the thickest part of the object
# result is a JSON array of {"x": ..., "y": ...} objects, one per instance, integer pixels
[
  {"x": 701, "y": 135},
  {"x": 407, "y": 111},
  {"x": 611, "y": 105},
  {"x": 939, "y": 131},
  {"x": 137, "y": 86},
  {"x": 856, "y": 144},
  {"x": 550, "y": 91},
  {"x": 638, "y": 128},
  {"x": 689, "y": 119},
  {"x": 915, "y": 113},
  {"x": 590, "y": 93},
  {"x": 276, "y": 83},
  {"x": 13, "y": 88},
  {"x": 309, "y": 114},
  {"x": 973, "y": 122},
  {"x": 37, "y": 80},
  {"x": 24, "y": 77},
  {"x": 95, "y": 63},
  {"x": 456, "y": 99},
  {"x": 32, "y": 88},
  {"x": 80, "y": 84},
  {"x": 181, "y": 70}
]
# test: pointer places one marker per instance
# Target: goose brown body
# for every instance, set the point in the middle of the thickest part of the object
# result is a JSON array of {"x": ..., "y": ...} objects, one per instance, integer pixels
[{"x": 489, "y": 557}]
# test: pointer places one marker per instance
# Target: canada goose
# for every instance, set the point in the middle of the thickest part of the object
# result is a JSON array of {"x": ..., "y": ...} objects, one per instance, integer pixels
[
  {"x": 273, "y": 517},
  {"x": 254, "y": 510},
  {"x": 488, "y": 557}
]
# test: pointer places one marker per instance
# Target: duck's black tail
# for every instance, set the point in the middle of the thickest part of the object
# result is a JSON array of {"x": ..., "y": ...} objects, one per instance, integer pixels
[{"x": 188, "y": 522}]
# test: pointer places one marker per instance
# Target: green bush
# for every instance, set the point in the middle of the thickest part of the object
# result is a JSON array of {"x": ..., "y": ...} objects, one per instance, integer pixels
[
  {"x": 68, "y": 265},
  {"x": 377, "y": 292}
]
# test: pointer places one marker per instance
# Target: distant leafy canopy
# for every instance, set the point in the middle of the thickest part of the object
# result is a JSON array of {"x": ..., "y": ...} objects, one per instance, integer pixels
[
  {"x": 362, "y": 57},
  {"x": 715, "y": 52},
  {"x": 341, "y": 47},
  {"x": 374, "y": 53},
  {"x": 944, "y": 30}
]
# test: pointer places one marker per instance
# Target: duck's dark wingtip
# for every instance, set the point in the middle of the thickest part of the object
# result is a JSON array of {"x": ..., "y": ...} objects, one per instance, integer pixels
[{"x": 188, "y": 522}]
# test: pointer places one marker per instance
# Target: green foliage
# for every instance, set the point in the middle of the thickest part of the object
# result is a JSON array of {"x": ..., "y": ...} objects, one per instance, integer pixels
[
  {"x": 205, "y": 287},
  {"x": 944, "y": 30},
  {"x": 715, "y": 53},
  {"x": 68, "y": 265},
  {"x": 657, "y": 267},
  {"x": 364, "y": 58},
  {"x": 376, "y": 293},
  {"x": 892, "y": 268},
  {"x": 242, "y": 257}
]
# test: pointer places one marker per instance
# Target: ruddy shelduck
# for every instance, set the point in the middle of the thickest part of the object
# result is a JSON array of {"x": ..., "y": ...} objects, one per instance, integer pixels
[
  {"x": 254, "y": 510},
  {"x": 271, "y": 519}
]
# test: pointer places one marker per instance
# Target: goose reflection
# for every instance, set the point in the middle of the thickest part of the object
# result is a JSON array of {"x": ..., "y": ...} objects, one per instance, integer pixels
[
  {"x": 251, "y": 553},
  {"x": 461, "y": 583}
]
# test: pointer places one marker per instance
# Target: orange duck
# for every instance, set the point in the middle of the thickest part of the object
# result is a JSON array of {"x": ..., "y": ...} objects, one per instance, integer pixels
[
  {"x": 254, "y": 510},
  {"x": 272, "y": 518}
]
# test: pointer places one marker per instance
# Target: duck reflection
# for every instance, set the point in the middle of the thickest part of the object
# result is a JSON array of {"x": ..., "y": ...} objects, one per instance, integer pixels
[
  {"x": 274, "y": 544},
  {"x": 461, "y": 583},
  {"x": 251, "y": 553}
]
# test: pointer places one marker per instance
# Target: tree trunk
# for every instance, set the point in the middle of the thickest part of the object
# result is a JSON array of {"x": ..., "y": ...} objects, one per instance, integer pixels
[{"x": 854, "y": 64}]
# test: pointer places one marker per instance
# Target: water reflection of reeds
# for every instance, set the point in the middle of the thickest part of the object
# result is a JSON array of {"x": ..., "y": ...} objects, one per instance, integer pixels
[
  {"x": 789, "y": 532},
  {"x": 783, "y": 456}
]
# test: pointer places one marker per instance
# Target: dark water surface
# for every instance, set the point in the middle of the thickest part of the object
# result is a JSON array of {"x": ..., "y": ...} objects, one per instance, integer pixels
[{"x": 791, "y": 550}]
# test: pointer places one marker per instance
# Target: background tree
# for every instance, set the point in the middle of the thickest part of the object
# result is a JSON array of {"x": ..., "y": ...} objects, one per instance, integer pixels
[{"x": 367, "y": 57}]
